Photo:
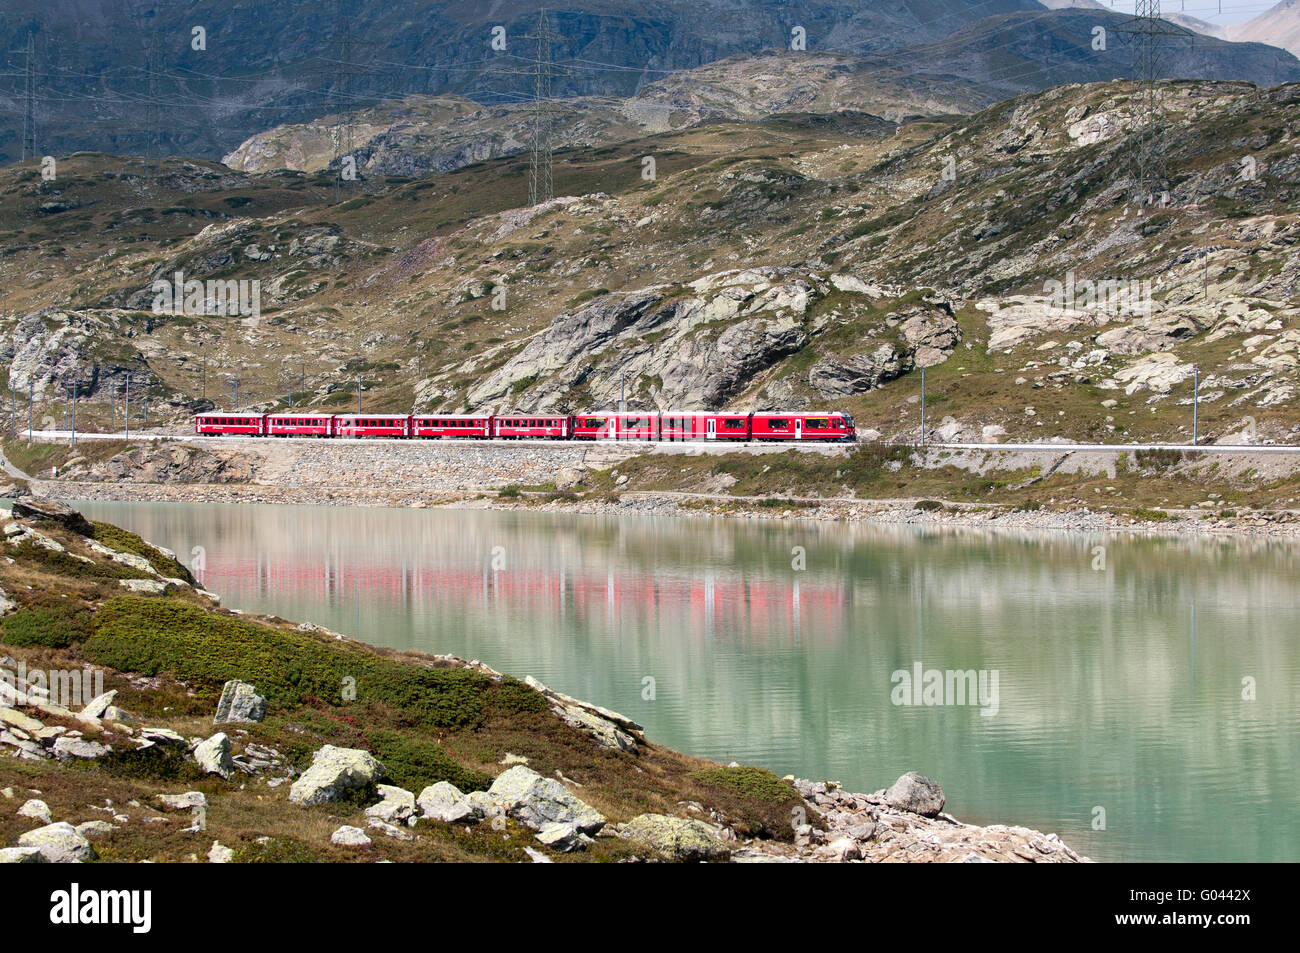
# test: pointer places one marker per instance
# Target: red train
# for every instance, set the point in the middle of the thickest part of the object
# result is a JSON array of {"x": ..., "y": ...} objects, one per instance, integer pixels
[{"x": 602, "y": 425}]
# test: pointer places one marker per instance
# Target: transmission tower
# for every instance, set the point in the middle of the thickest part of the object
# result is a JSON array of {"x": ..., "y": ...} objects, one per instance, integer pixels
[
  {"x": 344, "y": 69},
  {"x": 29, "y": 100},
  {"x": 343, "y": 143},
  {"x": 151, "y": 112},
  {"x": 541, "y": 187},
  {"x": 1149, "y": 34}
]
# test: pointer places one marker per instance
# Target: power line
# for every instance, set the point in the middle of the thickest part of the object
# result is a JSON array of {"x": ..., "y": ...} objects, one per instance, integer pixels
[{"x": 29, "y": 100}]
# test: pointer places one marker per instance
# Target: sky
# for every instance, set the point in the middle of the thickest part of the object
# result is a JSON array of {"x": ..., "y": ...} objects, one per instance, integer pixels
[{"x": 1211, "y": 11}]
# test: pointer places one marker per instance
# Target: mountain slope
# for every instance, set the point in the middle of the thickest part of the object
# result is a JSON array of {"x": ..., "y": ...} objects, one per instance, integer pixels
[
  {"x": 1279, "y": 26},
  {"x": 975, "y": 67},
  {"x": 122, "y": 76},
  {"x": 794, "y": 261}
]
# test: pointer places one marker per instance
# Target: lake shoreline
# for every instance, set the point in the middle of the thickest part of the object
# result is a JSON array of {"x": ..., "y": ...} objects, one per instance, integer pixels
[{"x": 886, "y": 512}]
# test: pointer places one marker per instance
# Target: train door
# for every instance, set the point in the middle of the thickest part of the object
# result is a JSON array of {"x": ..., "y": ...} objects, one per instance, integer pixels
[
  {"x": 711, "y": 429},
  {"x": 798, "y": 428}
]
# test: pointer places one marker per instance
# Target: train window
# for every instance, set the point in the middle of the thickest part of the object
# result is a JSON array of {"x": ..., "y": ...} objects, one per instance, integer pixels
[
  {"x": 817, "y": 423},
  {"x": 594, "y": 422},
  {"x": 734, "y": 424},
  {"x": 778, "y": 423}
]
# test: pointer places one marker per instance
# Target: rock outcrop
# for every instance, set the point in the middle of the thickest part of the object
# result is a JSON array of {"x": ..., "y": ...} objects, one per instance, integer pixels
[
  {"x": 239, "y": 702},
  {"x": 537, "y": 801},
  {"x": 337, "y": 774}
]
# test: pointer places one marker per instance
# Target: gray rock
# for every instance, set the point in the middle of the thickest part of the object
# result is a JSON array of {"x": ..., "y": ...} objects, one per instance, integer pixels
[
  {"x": 36, "y": 810},
  {"x": 347, "y": 836},
  {"x": 89, "y": 829},
  {"x": 99, "y": 705},
  {"x": 183, "y": 802},
  {"x": 677, "y": 838},
  {"x": 915, "y": 793},
  {"x": 396, "y": 807},
  {"x": 561, "y": 837},
  {"x": 536, "y": 801},
  {"x": 220, "y": 854},
  {"x": 239, "y": 702},
  {"x": 389, "y": 830},
  {"x": 859, "y": 373},
  {"x": 60, "y": 843},
  {"x": 21, "y": 855},
  {"x": 213, "y": 755},
  {"x": 483, "y": 803},
  {"x": 65, "y": 747},
  {"x": 40, "y": 509},
  {"x": 444, "y": 802},
  {"x": 337, "y": 773}
]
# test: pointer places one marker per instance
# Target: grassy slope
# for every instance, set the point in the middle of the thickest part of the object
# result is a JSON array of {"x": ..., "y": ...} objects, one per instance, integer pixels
[{"x": 425, "y": 719}]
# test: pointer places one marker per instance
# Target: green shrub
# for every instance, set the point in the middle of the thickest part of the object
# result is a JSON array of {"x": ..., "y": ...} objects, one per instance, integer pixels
[
  {"x": 748, "y": 782},
  {"x": 155, "y": 636},
  {"x": 415, "y": 763},
  {"x": 51, "y": 622}
]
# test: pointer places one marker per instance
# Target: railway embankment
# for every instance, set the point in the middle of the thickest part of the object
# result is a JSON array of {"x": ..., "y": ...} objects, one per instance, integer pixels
[{"x": 1058, "y": 488}]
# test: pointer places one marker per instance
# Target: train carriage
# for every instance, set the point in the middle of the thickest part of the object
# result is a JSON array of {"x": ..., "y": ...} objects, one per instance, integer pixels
[
  {"x": 532, "y": 426},
  {"x": 438, "y": 426},
  {"x": 230, "y": 424},
  {"x": 372, "y": 425},
  {"x": 692, "y": 425},
  {"x": 608, "y": 425},
  {"x": 300, "y": 425},
  {"x": 802, "y": 426}
]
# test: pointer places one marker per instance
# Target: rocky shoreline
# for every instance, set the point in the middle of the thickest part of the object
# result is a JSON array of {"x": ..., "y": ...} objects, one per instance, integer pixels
[{"x": 888, "y": 512}]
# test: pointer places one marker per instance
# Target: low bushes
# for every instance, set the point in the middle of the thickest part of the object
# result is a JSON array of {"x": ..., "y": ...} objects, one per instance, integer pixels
[
  {"x": 50, "y": 621},
  {"x": 165, "y": 636}
]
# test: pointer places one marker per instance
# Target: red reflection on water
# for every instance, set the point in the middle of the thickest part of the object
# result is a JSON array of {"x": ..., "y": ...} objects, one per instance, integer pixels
[{"x": 759, "y": 604}]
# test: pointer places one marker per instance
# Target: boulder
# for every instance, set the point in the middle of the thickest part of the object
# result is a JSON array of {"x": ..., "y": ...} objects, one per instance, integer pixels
[
  {"x": 66, "y": 747},
  {"x": 389, "y": 830},
  {"x": 859, "y": 373},
  {"x": 59, "y": 843},
  {"x": 99, "y": 705},
  {"x": 183, "y": 802},
  {"x": 220, "y": 854},
  {"x": 561, "y": 837},
  {"x": 396, "y": 807},
  {"x": 21, "y": 855},
  {"x": 347, "y": 836},
  {"x": 677, "y": 838},
  {"x": 336, "y": 774},
  {"x": 89, "y": 829},
  {"x": 213, "y": 755},
  {"x": 536, "y": 801},
  {"x": 40, "y": 509},
  {"x": 36, "y": 810},
  {"x": 445, "y": 802},
  {"x": 915, "y": 793},
  {"x": 239, "y": 702}
]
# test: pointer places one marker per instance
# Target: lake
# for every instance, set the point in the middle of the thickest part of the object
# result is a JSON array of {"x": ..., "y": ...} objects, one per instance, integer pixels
[{"x": 1137, "y": 696}]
